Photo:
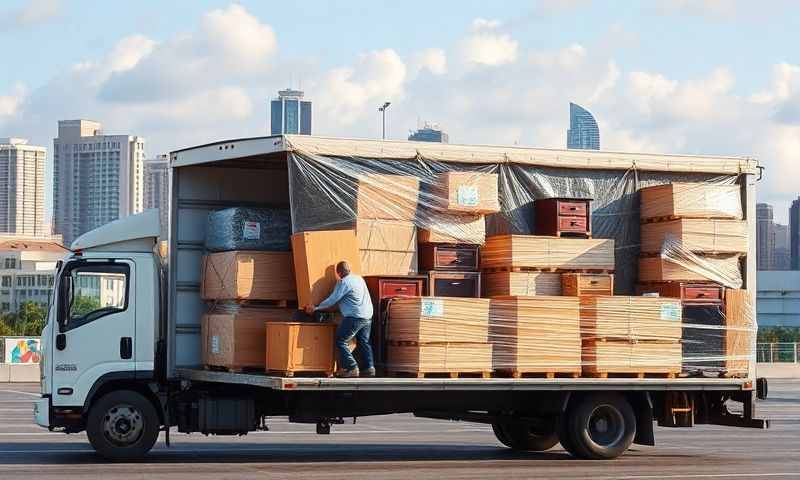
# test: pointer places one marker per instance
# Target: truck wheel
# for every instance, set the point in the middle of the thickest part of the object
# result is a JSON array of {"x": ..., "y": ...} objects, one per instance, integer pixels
[
  {"x": 601, "y": 426},
  {"x": 525, "y": 437},
  {"x": 562, "y": 430},
  {"x": 122, "y": 425}
]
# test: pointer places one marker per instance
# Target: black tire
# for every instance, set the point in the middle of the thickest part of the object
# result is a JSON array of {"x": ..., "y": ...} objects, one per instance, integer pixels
[
  {"x": 526, "y": 438},
  {"x": 601, "y": 426},
  {"x": 563, "y": 435},
  {"x": 122, "y": 425}
]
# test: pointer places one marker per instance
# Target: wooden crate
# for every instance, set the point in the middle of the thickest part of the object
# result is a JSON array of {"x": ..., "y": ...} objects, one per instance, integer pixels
[
  {"x": 294, "y": 347},
  {"x": 449, "y": 358},
  {"x": 525, "y": 284},
  {"x": 630, "y": 318},
  {"x": 697, "y": 235},
  {"x": 467, "y": 192},
  {"x": 604, "y": 358},
  {"x": 248, "y": 275},
  {"x": 439, "y": 319},
  {"x": 235, "y": 341},
  {"x": 454, "y": 284},
  {"x": 657, "y": 269},
  {"x": 535, "y": 334},
  {"x": 315, "y": 257},
  {"x": 444, "y": 228},
  {"x": 390, "y": 197},
  {"x": 691, "y": 200},
  {"x": 587, "y": 284},
  {"x": 535, "y": 252},
  {"x": 387, "y": 247},
  {"x": 739, "y": 332}
]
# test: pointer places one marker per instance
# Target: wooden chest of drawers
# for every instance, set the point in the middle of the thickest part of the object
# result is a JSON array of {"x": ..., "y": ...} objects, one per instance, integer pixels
[
  {"x": 448, "y": 257},
  {"x": 382, "y": 288},
  {"x": 454, "y": 284},
  {"x": 563, "y": 217},
  {"x": 587, "y": 284},
  {"x": 689, "y": 293}
]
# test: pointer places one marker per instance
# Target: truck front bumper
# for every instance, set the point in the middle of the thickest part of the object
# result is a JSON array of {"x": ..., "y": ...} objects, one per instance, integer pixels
[{"x": 41, "y": 412}]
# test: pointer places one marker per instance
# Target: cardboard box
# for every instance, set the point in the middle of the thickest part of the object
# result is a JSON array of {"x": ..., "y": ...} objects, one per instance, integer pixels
[
  {"x": 293, "y": 347},
  {"x": 525, "y": 284},
  {"x": 609, "y": 357},
  {"x": 691, "y": 200},
  {"x": 697, "y": 235},
  {"x": 439, "y": 319},
  {"x": 657, "y": 269},
  {"x": 467, "y": 192},
  {"x": 631, "y": 318},
  {"x": 439, "y": 358},
  {"x": 315, "y": 257},
  {"x": 444, "y": 228},
  {"x": 387, "y": 247},
  {"x": 389, "y": 197},
  {"x": 531, "y": 251},
  {"x": 248, "y": 275},
  {"x": 235, "y": 341}
]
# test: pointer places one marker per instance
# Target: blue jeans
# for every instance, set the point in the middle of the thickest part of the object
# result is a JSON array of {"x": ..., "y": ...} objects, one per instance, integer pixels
[{"x": 349, "y": 328}]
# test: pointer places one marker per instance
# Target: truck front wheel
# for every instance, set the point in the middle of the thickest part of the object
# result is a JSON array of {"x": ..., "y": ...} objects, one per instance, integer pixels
[
  {"x": 601, "y": 426},
  {"x": 122, "y": 425},
  {"x": 525, "y": 437}
]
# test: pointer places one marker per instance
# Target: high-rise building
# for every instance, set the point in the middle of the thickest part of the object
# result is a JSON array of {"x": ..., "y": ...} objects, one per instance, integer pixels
[
  {"x": 794, "y": 234},
  {"x": 429, "y": 133},
  {"x": 781, "y": 258},
  {"x": 22, "y": 187},
  {"x": 765, "y": 236},
  {"x": 98, "y": 178},
  {"x": 27, "y": 270},
  {"x": 290, "y": 114},
  {"x": 583, "y": 132},
  {"x": 156, "y": 188}
]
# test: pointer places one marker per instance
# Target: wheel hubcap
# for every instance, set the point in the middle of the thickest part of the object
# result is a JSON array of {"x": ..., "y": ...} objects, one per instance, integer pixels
[
  {"x": 123, "y": 425},
  {"x": 606, "y": 426}
]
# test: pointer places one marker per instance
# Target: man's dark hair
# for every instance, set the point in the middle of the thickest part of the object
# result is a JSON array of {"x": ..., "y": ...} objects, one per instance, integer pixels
[{"x": 343, "y": 268}]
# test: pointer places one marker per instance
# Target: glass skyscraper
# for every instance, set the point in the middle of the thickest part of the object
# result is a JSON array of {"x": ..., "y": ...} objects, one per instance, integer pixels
[
  {"x": 429, "y": 133},
  {"x": 290, "y": 114},
  {"x": 583, "y": 132}
]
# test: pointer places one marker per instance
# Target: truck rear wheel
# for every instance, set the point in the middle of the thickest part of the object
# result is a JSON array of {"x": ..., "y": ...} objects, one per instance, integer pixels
[
  {"x": 525, "y": 437},
  {"x": 122, "y": 425},
  {"x": 601, "y": 426}
]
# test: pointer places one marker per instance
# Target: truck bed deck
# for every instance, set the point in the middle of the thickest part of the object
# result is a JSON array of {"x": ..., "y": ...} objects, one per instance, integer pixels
[{"x": 374, "y": 384}]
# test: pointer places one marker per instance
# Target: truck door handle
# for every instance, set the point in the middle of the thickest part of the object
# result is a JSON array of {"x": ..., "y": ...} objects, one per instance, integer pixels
[{"x": 126, "y": 348}]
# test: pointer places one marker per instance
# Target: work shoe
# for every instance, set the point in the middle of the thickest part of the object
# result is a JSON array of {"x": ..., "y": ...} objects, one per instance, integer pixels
[
  {"x": 342, "y": 373},
  {"x": 370, "y": 372}
]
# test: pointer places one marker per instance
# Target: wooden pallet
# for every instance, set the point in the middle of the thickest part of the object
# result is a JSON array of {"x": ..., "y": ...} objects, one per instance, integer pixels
[
  {"x": 545, "y": 270},
  {"x": 669, "y": 218},
  {"x": 645, "y": 374},
  {"x": 234, "y": 368},
  {"x": 300, "y": 373},
  {"x": 537, "y": 374},
  {"x": 402, "y": 374}
]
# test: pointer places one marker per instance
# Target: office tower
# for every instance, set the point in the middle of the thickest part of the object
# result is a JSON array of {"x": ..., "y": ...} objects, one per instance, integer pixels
[
  {"x": 781, "y": 259},
  {"x": 156, "y": 188},
  {"x": 22, "y": 187},
  {"x": 97, "y": 178},
  {"x": 429, "y": 133},
  {"x": 290, "y": 114},
  {"x": 794, "y": 234},
  {"x": 583, "y": 132},
  {"x": 27, "y": 270},
  {"x": 765, "y": 236}
]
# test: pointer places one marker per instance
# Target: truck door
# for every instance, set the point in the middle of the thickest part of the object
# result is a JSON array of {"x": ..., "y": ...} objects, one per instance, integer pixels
[{"x": 96, "y": 327}]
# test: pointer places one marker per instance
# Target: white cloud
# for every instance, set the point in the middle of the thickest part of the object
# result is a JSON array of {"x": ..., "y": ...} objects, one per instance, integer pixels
[
  {"x": 31, "y": 13},
  {"x": 485, "y": 45},
  {"x": 484, "y": 24},
  {"x": 566, "y": 58},
  {"x": 434, "y": 60},
  {"x": 706, "y": 8},
  {"x": 11, "y": 102}
]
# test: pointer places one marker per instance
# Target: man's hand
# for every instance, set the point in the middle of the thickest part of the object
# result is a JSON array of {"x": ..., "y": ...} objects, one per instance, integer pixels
[{"x": 310, "y": 309}]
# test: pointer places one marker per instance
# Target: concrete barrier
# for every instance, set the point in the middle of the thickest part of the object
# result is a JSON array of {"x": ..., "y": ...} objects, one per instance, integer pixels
[
  {"x": 20, "y": 373},
  {"x": 778, "y": 370},
  {"x": 5, "y": 372}
]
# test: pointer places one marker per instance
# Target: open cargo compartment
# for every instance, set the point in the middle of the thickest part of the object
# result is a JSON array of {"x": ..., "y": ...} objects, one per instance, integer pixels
[{"x": 319, "y": 180}]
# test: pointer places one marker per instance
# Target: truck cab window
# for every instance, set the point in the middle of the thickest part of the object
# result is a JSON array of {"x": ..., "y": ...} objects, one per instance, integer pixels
[{"x": 95, "y": 291}]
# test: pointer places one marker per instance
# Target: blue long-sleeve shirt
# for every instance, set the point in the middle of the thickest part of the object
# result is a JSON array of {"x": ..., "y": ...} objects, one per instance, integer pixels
[{"x": 352, "y": 295}]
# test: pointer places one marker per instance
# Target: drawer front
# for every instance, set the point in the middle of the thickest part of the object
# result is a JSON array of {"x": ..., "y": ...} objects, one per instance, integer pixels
[
  {"x": 594, "y": 282},
  {"x": 711, "y": 294},
  {"x": 400, "y": 289},
  {"x": 572, "y": 208},
  {"x": 450, "y": 287},
  {"x": 572, "y": 224},
  {"x": 456, "y": 258}
]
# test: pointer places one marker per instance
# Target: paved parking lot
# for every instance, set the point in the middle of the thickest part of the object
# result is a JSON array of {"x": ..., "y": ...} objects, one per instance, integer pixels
[{"x": 401, "y": 446}]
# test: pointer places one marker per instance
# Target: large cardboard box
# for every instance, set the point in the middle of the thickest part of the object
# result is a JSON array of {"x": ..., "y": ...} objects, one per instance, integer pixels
[
  {"x": 293, "y": 347},
  {"x": 740, "y": 331},
  {"x": 535, "y": 334},
  {"x": 389, "y": 197},
  {"x": 440, "y": 358},
  {"x": 445, "y": 228},
  {"x": 525, "y": 284},
  {"x": 692, "y": 200},
  {"x": 315, "y": 257},
  {"x": 631, "y": 318},
  {"x": 387, "y": 247},
  {"x": 610, "y": 357},
  {"x": 711, "y": 268},
  {"x": 467, "y": 192},
  {"x": 531, "y": 251},
  {"x": 697, "y": 235},
  {"x": 439, "y": 319},
  {"x": 248, "y": 275}
]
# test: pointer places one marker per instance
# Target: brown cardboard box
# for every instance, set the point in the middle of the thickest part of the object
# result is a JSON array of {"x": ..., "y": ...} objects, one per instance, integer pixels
[
  {"x": 531, "y": 251},
  {"x": 248, "y": 275},
  {"x": 439, "y": 358},
  {"x": 631, "y": 318},
  {"x": 315, "y": 257},
  {"x": 387, "y": 247},
  {"x": 444, "y": 228},
  {"x": 389, "y": 197},
  {"x": 525, "y": 284},
  {"x": 604, "y": 357},
  {"x": 439, "y": 319},
  {"x": 467, "y": 192},
  {"x": 299, "y": 347},
  {"x": 691, "y": 200},
  {"x": 697, "y": 235}
]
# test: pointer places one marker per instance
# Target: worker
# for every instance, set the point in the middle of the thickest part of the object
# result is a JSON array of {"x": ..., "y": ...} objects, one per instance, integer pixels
[{"x": 352, "y": 298}]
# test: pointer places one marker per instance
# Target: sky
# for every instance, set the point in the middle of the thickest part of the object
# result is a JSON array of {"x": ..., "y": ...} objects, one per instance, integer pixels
[{"x": 717, "y": 77}]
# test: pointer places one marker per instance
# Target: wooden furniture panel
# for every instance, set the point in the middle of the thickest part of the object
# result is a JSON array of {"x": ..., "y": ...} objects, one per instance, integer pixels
[
  {"x": 557, "y": 216},
  {"x": 300, "y": 347},
  {"x": 381, "y": 290},
  {"x": 248, "y": 275},
  {"x": 587, "y": 284},
  {"x": 315, "y": 257},
  {"x": 688, "y": 293},
  {"x": 449, "y": 257},
  {"x": 390, "y": 197},
  {"x": 740, "y": 332},
  {"x": 387, "y": 247},
  {"x": 691, "y": 200},
  {"x": 454, "y": 284}
]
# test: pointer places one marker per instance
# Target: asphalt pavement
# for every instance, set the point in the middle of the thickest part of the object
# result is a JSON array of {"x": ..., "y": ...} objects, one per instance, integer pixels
[{"x": 403, "y": 447}]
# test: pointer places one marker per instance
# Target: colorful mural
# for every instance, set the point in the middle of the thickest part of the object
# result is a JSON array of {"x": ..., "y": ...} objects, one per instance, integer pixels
[{"x": 22, "y": 350}]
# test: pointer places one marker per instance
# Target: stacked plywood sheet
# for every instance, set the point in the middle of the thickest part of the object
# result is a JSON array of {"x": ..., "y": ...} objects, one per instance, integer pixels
[
  {"x": 740, "y": 332},
  {"x": 387, "y": 247},
  {"x": 388, "y": 197},
  {"x": 696, "y": 235},
  {"x": 537, "y": 252},
  {"x": 602, "y": 358},
  {"x": 315, "y": 257},
  {"x": 535, "y": 335},
  {"x": 691, "y": 200},
  {"x": 466, "y": 192},
  {"x": 434, "y": 358},
  {"x": 248, "y": 275},
  {"x": 443, "y": 228},
  {"x": 526, "y": 284},
  {"x": 710, "y": 268}
]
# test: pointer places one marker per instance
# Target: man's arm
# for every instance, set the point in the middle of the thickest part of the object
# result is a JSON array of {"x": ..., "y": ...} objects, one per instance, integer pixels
[{"x": 329, "y": 303}]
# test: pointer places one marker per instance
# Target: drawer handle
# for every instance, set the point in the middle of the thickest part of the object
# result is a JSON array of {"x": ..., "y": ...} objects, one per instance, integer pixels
[
  {"x": 402, "y": 289},
  {"x": 573, "y": 224},
  {"x": 456, "y": 260},
  {"x": 455, "y": 284},
  {"x": 701, "y": 294},
  {"x": 573, "y": 208},
  {"x": 593, "y": 282}
]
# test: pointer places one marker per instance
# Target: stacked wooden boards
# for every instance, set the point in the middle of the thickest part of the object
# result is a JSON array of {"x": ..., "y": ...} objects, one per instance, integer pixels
[
  {"x": 525, "y": 284},
  {"x": 697, "y": 235},
  {"x": 740, "y": 330},
  {"x": 547, "y": 253},
  {"x": 658, "y": 269},
  {"x": 691, "y": 200}
]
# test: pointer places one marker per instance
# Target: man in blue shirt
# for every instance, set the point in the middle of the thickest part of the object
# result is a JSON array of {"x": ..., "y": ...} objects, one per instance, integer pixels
[{"x": 354, "y": 303}]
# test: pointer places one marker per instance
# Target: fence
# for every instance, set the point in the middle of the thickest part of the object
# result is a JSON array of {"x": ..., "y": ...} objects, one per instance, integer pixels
[{"x": 777, "y": 352}]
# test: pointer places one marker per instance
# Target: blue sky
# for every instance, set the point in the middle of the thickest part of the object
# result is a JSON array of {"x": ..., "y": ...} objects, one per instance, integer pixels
[{"x": 677, "y": 76}]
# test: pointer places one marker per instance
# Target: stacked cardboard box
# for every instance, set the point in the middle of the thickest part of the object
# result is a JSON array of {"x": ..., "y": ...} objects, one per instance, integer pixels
[
  {"x": 248, "y": 275},
  {"x": 473, "y": 193}
]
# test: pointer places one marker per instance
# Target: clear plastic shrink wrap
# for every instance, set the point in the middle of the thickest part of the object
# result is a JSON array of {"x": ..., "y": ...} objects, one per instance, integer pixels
[
  {"x": 537, "y": 333},
  {"x": 242, "y": 228}
]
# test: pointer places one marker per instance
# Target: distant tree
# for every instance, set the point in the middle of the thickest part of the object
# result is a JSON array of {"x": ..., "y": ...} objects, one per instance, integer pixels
[
  {"x": 83, "y": 305},
  {"x": 30, "y": 319},
  {"x": 5, "y": 329}
]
